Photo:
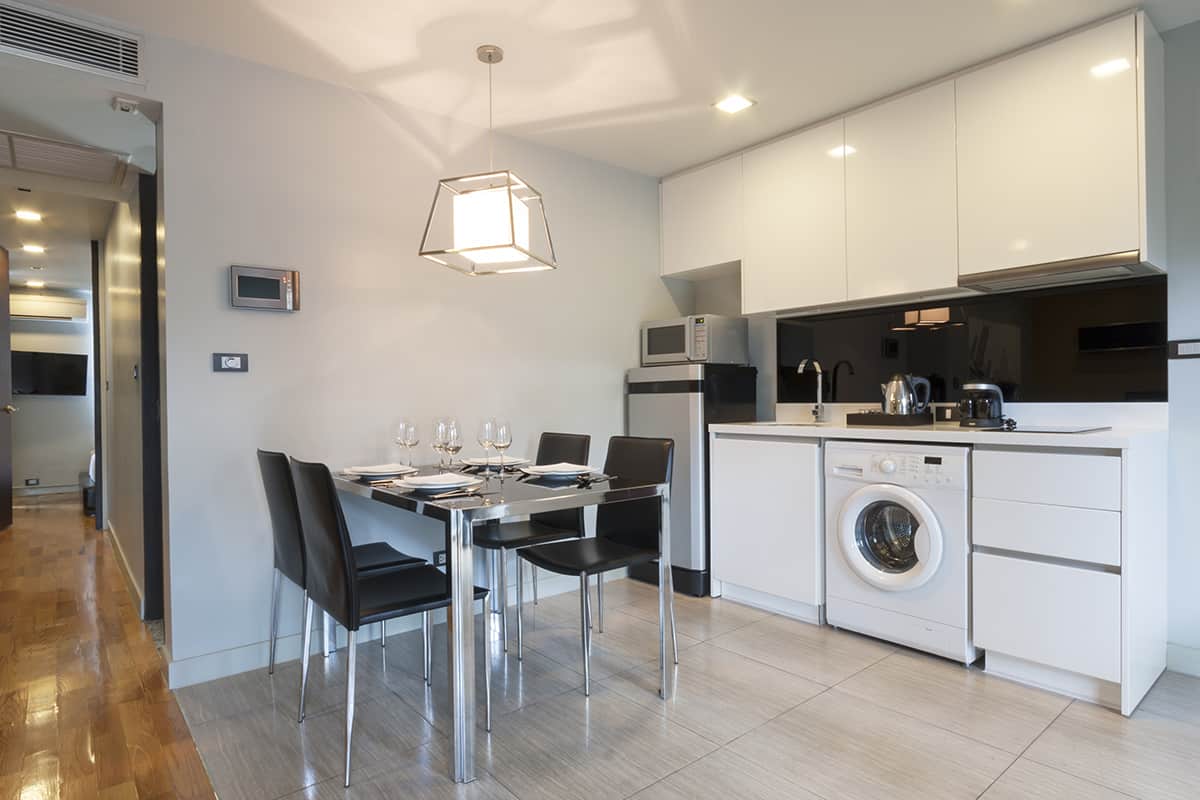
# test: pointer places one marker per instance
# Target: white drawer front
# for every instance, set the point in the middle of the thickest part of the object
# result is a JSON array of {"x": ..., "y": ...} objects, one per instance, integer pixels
[
  {"x": 1059, "y": 616},
  {"x": 1061, "y": 479},
  {"x": 1080, "y": 534}
]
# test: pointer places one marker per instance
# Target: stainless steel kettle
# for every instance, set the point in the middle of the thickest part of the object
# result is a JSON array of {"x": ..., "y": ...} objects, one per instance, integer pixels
[{"x": 902, "y": 395}]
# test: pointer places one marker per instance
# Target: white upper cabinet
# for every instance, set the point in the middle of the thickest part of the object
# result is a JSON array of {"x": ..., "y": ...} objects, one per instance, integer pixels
[
  {"x": 1050, "y": 166},
  {"x": 794, "y": 253},
  {"x": 901, "y": 212},
  {"x": 702, "y": 217}
]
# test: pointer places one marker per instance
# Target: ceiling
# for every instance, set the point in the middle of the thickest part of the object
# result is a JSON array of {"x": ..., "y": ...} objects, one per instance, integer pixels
[
  {"x": 629, "y": 82},
  {"x": 69, "y": 224}
]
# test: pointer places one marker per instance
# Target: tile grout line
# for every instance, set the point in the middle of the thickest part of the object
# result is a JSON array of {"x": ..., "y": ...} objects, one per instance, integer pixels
[{"x": 1033, "y": 741}]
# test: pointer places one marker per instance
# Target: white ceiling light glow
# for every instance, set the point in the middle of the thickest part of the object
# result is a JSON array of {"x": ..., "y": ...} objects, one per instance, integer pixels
[
  {"x": 842, "y": 150},
  {"x": 733, "y": 104},
  {"x": 492, "y": 223},
  {"x": 35, "y": 284},
  {"x": 1110, "y": 68},
  {"x": 33, "y": 248},
  {"x": 28, "y": 216}
]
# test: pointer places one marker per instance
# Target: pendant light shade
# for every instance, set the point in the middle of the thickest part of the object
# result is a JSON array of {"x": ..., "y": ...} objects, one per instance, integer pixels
[{"x": 491, "y": 223}]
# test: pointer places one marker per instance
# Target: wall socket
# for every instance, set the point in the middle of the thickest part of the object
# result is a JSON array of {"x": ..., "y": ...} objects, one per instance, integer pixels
[
  {"x": 439, "y": 558},
  {"x": 33, "y": 482}
]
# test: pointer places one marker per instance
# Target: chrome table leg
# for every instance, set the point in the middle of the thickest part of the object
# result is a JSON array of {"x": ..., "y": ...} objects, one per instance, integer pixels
[
  {"x": 461, "y": 644},
  {"x": 427, "y": 641},
  {"x": 535, "y": 592},
  {"x": 305, "y": 646},
  {"x": 585, "y": 624},
  {"x": 600, "y": 602},
  {"x": 520, "y": 603},
  {"x": 664, "y": 576},
  {"x": 504, "y": 598},
  {"x": 487, "y": 664}
]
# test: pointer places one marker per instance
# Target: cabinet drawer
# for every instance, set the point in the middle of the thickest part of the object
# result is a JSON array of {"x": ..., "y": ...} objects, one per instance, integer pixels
[
  {"x": 1080, "y": 534},
  {"x": 1054, "y": 615},
  {"x": 1084, "y": 480}
]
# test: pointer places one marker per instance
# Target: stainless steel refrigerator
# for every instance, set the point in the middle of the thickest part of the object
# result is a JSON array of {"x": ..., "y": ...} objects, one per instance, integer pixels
[{"x": 680, "y": 401}]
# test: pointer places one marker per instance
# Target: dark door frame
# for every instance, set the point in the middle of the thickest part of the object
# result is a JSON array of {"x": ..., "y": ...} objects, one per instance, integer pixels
[
  {"x": 151, "y": 395},
  {"x": 97, "y": 391}
]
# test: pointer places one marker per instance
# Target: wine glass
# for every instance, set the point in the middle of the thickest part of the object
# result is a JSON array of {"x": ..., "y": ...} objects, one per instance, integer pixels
[
  {"x": 454, "y": 442},
  {"x": 406, "y": 437},
  {"x": 486, "y": 436},
  {"x": 440, "y": 432},
  {"x": 502, "y": 440}
]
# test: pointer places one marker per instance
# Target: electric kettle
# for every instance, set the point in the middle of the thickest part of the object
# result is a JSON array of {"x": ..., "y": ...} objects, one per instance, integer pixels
[{"x": 901, "y": 394}]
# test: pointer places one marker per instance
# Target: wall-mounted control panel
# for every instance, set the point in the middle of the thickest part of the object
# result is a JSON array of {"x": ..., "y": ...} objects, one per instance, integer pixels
[{"x": 230, "y": 362}]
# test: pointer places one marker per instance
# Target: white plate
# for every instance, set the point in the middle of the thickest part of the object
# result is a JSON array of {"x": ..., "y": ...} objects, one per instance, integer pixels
[
  {"x": 493, "y": 461},
  {"x": 559, "y": 470},
  {"x": 441, "y": 482},
  {"x": 380, "y": 470}
]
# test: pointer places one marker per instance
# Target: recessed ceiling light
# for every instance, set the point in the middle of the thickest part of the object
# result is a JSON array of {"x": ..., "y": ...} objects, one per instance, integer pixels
[
  {"x": 842, "y": 150},
  {"x": 1110, "y": 68},
  {"x": 29, "y": 216},
  {"x": 37, "y": 267},
  {"x": 33, "y": 248},
  {"x": 35, "y": 284},
  {"x": 733, "y": 104}
]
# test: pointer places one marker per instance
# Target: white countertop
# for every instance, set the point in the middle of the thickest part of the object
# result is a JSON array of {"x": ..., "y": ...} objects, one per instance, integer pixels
[{"x": 945, "y": 433}]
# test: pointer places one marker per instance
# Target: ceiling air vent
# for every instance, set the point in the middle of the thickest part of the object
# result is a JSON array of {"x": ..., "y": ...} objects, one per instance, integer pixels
[{"x": 59, "y": 39}]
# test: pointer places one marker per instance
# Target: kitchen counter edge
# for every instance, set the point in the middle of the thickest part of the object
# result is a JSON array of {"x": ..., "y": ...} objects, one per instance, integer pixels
[{"x": 946, "y": 433}]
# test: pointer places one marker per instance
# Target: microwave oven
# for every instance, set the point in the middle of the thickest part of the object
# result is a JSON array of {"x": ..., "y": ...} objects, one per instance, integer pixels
[
  {"x": 700, "y": 338},
  {"x": 261, "y": 287}
]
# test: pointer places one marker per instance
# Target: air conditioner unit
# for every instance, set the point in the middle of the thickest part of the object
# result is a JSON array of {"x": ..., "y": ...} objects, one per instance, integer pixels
[{"x": 49, "y": 307}]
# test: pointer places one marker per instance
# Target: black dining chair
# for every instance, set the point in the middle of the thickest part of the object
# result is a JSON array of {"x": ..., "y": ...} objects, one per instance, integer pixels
[
  {"x": 627, "y": 533},
  {"x": 376, "y": 557},
  {"x": 354, "y": 598},
  {"x": 552, "y": 526}
]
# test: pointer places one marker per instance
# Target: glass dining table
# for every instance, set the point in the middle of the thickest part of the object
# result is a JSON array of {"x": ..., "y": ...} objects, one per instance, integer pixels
[{"x": 503, "y": 497}]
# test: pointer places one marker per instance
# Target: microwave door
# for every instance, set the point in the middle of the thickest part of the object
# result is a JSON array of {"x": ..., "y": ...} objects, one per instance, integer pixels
[{"x": 665, "y": 344}]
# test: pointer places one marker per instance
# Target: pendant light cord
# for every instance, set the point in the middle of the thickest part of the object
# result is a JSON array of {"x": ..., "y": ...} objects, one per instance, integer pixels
[{"x": 491, "y": 133}]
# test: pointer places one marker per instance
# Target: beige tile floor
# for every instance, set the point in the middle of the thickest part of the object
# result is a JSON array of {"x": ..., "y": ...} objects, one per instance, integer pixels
[{"x": 765, "y": 709}]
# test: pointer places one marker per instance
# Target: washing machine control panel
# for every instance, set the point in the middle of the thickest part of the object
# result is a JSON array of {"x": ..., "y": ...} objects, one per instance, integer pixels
[{"x": 917, "y": 469}]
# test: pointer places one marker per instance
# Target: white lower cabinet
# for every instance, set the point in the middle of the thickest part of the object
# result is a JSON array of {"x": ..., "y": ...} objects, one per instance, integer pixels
[
  {"x": 766, "y": 518},
  {"x": 1063, "y": 617}
]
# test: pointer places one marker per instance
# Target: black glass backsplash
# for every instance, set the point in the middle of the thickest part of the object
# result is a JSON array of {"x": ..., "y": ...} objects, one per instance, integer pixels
[{"x": 1083, "y": 344}]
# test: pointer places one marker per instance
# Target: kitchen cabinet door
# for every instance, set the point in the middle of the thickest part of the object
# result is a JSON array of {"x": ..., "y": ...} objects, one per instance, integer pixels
[
  {"x": 795, "y": 201},
  {"x": 766, "y": 506},
  {"x": 702, "y": 217},
  {"x": 1048, "y": 153},
  {"x": 901, "y": 210}
]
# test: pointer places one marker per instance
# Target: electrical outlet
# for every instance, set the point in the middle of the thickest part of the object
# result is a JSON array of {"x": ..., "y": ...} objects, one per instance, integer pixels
[
  {"x": 439, "y": 558},
  {"x": 33, "y": 482}
]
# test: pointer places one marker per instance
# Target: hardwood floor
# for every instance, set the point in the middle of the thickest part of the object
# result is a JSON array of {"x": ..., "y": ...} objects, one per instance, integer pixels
[{"x": 84, "y": 706}]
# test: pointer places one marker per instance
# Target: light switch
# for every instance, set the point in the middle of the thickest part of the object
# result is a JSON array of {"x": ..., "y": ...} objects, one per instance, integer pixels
[{"x": 230, "y": 362}]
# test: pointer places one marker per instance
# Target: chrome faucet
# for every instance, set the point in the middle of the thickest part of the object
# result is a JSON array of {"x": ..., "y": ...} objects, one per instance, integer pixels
[{"x": 818, "y": 410}]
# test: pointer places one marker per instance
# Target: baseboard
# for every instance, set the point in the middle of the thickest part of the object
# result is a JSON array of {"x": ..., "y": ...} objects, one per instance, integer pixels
[
  {"x": 769, "y": 602},
  {"x": 130, "y": 583},
  {"x": 1181, "y": 658},
  {"x": 223, "y": 663},
  {"x": 1072, "y": 684},
  {"x": 33, "y": 491}
]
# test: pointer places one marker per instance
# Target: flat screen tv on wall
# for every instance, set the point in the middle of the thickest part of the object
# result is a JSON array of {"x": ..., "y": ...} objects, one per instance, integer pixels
[{"x": 49, "y": 373}]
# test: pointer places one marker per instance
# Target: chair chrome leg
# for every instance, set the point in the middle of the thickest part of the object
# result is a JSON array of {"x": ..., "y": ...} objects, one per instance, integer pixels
[
  {"x": 427, "y": 651},
  {"x": 305, "y": 646},
  {"x": 352, "y": 650},
  {"x": 600, "y": 602},
  {"x": 671, "y": 608},
  {"x": 329, "y": 631},
  {"x": 520, "y": 603},
  {"x": 504, "y": 597},
  {"x": 535, "y": 593},
  {"x": 487, "y": 665},
  {"x": 585, "y": 624},
  {"x": 383, "y": 642},
  {"x": 587, "y": 590},
  {"x": 277, "y": 584}
]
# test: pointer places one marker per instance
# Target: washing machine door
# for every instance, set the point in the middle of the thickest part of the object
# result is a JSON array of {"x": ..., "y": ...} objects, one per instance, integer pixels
[{"x": 890, "y": 537}]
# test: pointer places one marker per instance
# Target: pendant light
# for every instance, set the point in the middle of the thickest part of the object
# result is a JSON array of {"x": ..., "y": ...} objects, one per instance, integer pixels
[{"x": 489, "y": 223}]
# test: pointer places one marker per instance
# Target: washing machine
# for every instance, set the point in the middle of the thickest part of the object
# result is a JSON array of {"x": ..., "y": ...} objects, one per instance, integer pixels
[{"x": 897, "y": 544}]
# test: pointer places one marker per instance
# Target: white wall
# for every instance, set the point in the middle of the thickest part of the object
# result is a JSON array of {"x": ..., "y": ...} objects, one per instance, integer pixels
[
  {"x": 52, "y": 435},
  {"x": 266, "y": 168},
  {"x": 1183, "y": 244},
  {"x": 121, "y": 346}
]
